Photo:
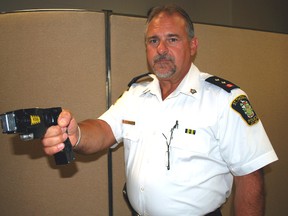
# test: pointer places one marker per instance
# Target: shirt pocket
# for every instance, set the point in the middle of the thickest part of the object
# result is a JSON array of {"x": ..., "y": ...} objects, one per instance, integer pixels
[
  {"x": 197, "y": 140},
  {"x": 131, "y": 135},
  {"x": 189, "y": 151}
]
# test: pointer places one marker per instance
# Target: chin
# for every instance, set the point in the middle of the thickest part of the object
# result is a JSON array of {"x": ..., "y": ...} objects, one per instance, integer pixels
[{"x": 164, "y": 75}]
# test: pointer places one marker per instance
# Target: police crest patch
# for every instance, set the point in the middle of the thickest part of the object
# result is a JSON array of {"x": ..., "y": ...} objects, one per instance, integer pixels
[{"x": 242, "y": 105}]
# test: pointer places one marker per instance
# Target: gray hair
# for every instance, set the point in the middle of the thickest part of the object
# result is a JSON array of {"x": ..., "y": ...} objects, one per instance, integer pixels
[{"x": 171, "y": 9}]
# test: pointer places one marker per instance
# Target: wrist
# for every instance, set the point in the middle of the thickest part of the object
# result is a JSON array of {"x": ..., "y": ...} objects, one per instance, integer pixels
[{"x": 79, "y": 138}]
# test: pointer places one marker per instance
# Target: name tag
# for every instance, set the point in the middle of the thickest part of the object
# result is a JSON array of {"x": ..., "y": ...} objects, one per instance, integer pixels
[{"x": 128, "y": 122}]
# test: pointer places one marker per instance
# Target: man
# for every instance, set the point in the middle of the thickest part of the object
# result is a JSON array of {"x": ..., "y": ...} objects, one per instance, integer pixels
[{"x": 186, "y": 134}]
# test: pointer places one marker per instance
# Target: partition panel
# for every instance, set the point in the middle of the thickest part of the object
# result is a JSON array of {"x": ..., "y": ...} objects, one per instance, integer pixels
[
  {"x": 47, "y": 59},
  {"x": 257, "y": 62}
]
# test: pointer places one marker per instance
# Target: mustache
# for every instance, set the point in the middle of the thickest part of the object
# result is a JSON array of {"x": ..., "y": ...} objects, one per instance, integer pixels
[{"x": 163, "y": 57}]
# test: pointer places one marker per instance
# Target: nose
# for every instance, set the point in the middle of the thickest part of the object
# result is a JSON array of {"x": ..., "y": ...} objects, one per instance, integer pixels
[{"x": 162, "y": 48}]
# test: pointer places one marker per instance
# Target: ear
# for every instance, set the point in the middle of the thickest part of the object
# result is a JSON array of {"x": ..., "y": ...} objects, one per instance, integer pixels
[{"x": 193, "y": 46}]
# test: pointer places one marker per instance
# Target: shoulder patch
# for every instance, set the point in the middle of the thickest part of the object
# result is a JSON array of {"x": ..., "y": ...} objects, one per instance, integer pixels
[
  {"x": 222, "y": 83},
  {"x": 242, "y": 105},
  {"x": 138, "y": 78}
]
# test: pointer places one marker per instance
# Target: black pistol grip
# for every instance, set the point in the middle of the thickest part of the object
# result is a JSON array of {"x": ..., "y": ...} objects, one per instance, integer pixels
[{"x": 65, "y": 156}]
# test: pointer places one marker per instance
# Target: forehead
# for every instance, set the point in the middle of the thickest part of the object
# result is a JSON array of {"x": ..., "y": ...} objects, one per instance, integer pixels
[{"x": 165, "y": 23}]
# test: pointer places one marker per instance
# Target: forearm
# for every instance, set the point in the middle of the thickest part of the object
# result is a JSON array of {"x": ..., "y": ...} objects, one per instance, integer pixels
[
  {"x": 250, "y": 195},
  {"x": 96, "y": 135}
]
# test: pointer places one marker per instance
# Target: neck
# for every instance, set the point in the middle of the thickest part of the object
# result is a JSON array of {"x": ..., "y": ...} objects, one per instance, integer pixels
[{"x": 167, "y": 87}]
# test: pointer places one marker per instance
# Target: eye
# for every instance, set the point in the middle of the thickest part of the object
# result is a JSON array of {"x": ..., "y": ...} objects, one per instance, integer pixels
[
  {"x": 172, "y": 40},
  {"x": 153, "y": 41}
]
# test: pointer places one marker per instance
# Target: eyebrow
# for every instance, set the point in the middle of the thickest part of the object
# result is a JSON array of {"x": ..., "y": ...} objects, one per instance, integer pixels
[
  {"x": 173, "y": 35},
  {"x": 168, "y": 36}
]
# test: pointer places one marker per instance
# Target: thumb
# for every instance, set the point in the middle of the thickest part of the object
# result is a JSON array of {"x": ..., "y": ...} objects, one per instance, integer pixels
[
  {"x": 64, "y": 118},
  {"x": 68, "y": 123}
]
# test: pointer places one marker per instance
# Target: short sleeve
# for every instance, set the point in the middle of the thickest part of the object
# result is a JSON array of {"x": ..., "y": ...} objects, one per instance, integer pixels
[{"x": 244, "y": 144}]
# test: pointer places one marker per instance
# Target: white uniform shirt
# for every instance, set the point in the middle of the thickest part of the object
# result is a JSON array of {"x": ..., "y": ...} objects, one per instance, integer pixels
[{"x": 211, "y": 142}]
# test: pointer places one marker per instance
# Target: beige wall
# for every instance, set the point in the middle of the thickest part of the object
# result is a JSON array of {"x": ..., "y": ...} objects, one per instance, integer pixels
[
  {"x": 58, "y": 59},
  {"x": 51, "y": 59}
]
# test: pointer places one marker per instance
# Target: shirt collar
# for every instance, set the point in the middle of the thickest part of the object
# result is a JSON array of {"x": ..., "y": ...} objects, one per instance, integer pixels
[{"x": 190, "y": 85}]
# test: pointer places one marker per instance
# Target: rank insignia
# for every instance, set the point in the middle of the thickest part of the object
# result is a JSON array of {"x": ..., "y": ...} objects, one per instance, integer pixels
[
  {"x": 222, "y": 83},
  {"x": 242, "y": 105}
]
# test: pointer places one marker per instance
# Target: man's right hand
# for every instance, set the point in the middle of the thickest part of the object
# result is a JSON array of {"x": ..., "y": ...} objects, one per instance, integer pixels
[{"x": 53, "y": 140}]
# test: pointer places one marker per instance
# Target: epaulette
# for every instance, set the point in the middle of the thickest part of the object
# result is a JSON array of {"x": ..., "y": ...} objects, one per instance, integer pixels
[
  {"x": 138, "y": 78},
  {"x": 222, "y": 83}
]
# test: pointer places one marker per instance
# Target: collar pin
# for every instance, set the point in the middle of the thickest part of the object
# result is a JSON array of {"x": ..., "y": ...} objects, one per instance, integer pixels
[{"x": 193, "y": 91}]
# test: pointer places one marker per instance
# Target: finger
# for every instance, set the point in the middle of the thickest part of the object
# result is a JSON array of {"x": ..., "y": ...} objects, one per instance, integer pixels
[
  {"x": 54, "y": 131},
  {"x": 54, "y": 140},
  {"x": 51, "y": 150}
]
